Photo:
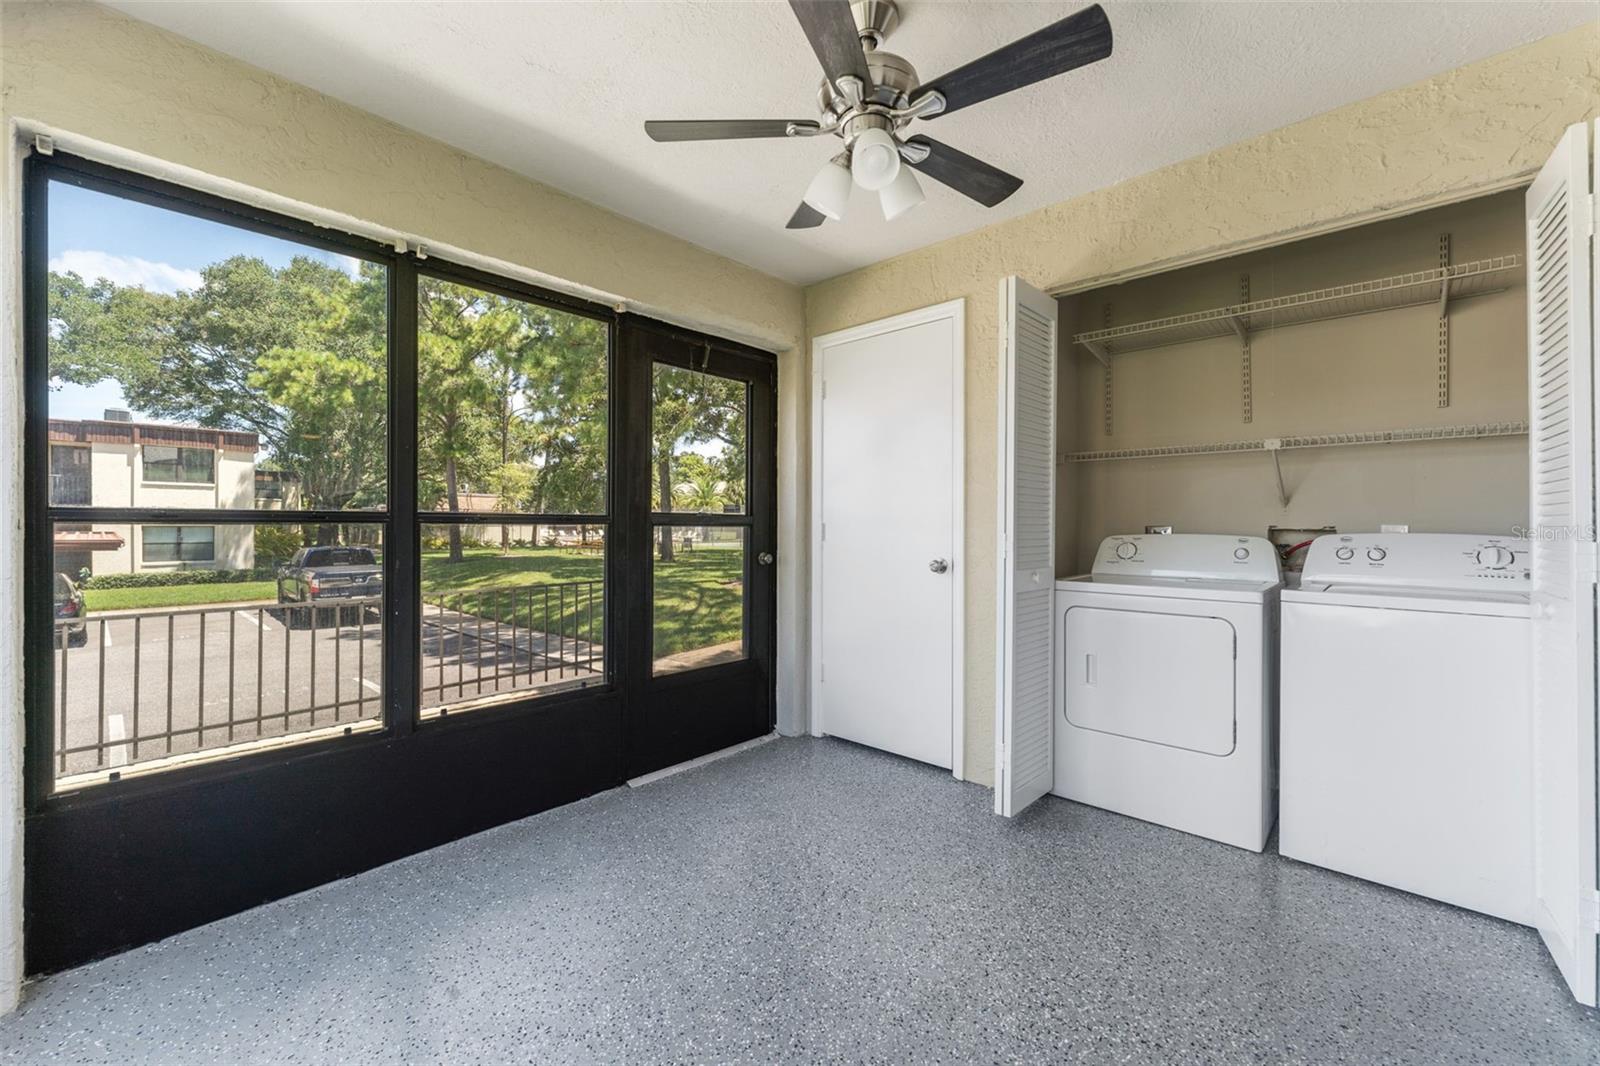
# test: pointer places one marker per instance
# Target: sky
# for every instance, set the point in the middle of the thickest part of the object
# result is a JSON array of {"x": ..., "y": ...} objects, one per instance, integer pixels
[{"x": 95, "y": 235}]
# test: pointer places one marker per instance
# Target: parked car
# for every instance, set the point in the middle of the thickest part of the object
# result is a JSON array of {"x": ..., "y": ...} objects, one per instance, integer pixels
[
  {"x": 70, "y": 612},
  {"x": 321, "y": 577}
]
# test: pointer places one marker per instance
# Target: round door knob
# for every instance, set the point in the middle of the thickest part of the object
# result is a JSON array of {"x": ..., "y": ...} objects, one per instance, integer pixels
[
  {"x": 765, "y": 558},
  {"x": 939, "y": 566}
]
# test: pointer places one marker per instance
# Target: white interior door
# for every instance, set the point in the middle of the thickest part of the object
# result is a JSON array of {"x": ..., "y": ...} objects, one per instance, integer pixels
[
  {"x": 1024, "y": 640},
  {"x": 887, "y": 469},
  {"x": 1562, "y": 441}
]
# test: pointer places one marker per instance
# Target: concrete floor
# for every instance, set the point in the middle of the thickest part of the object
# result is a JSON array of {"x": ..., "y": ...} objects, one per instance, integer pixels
[{"x": 813, "y": 901}]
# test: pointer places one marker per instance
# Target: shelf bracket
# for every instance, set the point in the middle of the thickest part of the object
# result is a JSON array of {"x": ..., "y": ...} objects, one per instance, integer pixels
[
  {"x": 1275, "y": 446},
  {"x": 1106, "y": 372},
  {"x": 1098, "y": 350},
  {"x": 1444, "y": 320},
  {"x": 1247, "y": 399}
]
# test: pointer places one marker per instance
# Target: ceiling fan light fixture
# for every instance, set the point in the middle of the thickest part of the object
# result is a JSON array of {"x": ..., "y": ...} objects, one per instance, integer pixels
[
  {"x": 874, "y": 159},
  {"x": 900, "y": 195},
  {"x": 829, "y": 191}
]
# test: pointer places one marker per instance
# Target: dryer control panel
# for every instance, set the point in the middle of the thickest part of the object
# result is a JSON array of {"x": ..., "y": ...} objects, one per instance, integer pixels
[
  {"x": 1427, "y": 560},
  {"x": 1202, "y": 556}
]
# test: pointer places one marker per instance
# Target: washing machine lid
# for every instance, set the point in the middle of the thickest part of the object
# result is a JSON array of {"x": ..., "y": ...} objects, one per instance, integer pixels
[
  {"x": 1181, "y": 588},
  {"x": 1491, "y": 602}
]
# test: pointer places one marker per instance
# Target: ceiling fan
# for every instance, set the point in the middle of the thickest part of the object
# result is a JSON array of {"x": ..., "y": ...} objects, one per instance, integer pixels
[{"x": 868, "y": 97}]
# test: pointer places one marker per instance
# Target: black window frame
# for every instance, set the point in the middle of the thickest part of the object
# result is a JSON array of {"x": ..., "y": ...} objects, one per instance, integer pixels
[
  {"x": 511, "y": 289},
  {"x": 124, "y": 861},
  {"x": 41, "y": 516}
]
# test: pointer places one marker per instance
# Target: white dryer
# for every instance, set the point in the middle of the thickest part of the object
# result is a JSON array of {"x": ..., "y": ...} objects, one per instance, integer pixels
[
  {"x": 1406, "y": 747},
  {"x": 1164, "y": 683}
]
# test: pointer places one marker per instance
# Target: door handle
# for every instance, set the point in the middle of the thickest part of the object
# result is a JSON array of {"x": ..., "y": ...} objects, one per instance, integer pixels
[
  {"x": 765, "y": 558},
  {"x": 939, "y": 566}
]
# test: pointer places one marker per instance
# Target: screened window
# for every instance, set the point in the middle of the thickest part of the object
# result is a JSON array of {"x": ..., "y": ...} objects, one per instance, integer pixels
[
  {"x": 180, "y": 544},
  {"x": 186, "y": 353},
  {"x": 188, "y": 465},
  {"x": 513, "y": 436}
]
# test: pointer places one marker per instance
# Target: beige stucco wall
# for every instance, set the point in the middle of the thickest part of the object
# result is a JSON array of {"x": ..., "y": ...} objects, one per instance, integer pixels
[
  {"x": 1482, "y": 126},
  {"x": 119, "y": 89},
  {"x": 1362, "y": 373}
]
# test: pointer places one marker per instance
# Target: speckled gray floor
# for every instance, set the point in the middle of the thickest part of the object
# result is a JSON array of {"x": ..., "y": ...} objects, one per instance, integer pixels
[{"x": 811, "y": 901}]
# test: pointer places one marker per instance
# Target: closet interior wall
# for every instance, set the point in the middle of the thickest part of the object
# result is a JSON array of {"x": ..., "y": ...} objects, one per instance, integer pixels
[{"x": 1370, "y": 372}]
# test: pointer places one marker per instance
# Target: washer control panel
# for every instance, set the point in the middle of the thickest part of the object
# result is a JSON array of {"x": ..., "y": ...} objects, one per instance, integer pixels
[
  {"x": 1433, "y": 560},
  {"x": 1214, "y": 556}
]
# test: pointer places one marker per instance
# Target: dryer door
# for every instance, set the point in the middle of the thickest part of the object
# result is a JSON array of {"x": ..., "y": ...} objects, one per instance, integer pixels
[{"x": 1161, "y": 678}]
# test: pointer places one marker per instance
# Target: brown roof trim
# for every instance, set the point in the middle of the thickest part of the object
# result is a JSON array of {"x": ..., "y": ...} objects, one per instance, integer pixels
[{"x": 97, "y": 431}]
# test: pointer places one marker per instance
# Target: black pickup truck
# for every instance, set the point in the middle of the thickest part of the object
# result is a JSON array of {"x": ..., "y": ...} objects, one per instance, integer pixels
[{"x": 324, "y": 579}]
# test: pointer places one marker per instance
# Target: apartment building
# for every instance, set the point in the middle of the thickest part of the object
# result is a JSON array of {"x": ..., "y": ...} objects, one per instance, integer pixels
[{"x": 117, "y": 462}]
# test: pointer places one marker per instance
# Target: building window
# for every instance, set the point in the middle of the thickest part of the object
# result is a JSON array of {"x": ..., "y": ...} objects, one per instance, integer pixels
[
  {"x": 69, "y": 476},
  {"x": 195, "y": 466},
  {"x": 179, "y": 544}
]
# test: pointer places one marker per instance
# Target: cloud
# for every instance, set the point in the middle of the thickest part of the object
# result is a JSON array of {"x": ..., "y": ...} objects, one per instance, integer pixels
[{"x": 125, "y": 270}]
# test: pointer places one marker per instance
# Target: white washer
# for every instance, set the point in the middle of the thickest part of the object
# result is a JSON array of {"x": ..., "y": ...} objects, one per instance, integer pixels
[
  {"x": 1407, "y": 744},
  {"x": 1164, "y": 685}
]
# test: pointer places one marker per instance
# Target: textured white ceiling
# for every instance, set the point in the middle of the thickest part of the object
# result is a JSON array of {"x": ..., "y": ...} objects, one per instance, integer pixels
[{"x": 560, "y": 91}]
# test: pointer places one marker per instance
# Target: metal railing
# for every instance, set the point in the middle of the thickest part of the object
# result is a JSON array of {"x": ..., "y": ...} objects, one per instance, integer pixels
[
  {"x": 134, "y": 687},
  {"x": 485, "y": 642}
]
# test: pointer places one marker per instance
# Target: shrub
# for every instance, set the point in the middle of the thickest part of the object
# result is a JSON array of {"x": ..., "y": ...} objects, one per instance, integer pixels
[
  {"x": 276, "y": 544},
  {"x": 162, "y": 578}
]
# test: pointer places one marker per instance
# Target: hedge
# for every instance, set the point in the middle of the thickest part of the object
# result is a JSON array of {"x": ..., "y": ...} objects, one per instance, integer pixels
[{"x": 159, "y": 578}]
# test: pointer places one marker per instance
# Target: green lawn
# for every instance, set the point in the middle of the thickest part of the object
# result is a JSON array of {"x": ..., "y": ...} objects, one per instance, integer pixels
[
  {"x": 698, "y": 596},
  {"x": 178, "y": 595},
  {"x": 698, "y": 602}
]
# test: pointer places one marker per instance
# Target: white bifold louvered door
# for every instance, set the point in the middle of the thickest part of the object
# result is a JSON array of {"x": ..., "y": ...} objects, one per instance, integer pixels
[
  {"x": 1561, "y": 301},
  {"x": 1024, "y": 640}
]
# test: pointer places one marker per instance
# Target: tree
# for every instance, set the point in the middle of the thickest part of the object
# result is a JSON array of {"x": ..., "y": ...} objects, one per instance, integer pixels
[
  {"x": 295, "y": 355},
  {"x": 459, "y": 331},
  {"x": 691, "y": 408}
]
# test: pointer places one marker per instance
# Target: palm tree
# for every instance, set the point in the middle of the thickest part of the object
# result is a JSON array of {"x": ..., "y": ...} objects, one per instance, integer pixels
[{"x": 702, "y": 492}]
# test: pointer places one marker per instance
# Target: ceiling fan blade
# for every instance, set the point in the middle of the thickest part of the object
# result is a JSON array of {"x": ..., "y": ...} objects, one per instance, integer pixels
[
  {"x": 723, "y": 129},
  {"x": 966, "y": 175},
  {"x": 831, "y": 29},
  {"x": 806, "y": 217},
  {"x": 1077, "y": 40}
]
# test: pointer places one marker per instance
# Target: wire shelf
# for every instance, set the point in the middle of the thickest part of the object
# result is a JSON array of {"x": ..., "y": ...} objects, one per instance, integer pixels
[
  {"x": 1439, "y": 285},
  {"x": 1324, "y": 440}
]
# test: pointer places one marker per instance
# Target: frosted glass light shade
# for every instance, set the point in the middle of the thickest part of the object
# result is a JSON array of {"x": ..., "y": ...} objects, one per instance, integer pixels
[
  {"x": 900, "y": 195},
  {"x": 874, "y": 159},
  {"x": 829, "y": 191}
]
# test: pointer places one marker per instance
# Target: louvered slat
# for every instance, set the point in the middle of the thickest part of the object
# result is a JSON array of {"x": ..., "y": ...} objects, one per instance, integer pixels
[
  {"x": 1562, "y": 509},
  {"x": 1027, "y": 573}
]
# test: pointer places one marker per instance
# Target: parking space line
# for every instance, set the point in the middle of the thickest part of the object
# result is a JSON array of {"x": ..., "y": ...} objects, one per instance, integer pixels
[
  {"x": 370, "y": 686},
  {"x": 116, "y": 730}
]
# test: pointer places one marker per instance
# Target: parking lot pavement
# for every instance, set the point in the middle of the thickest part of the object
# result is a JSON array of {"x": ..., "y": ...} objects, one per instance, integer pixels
[{"x": 145, "y": 686}]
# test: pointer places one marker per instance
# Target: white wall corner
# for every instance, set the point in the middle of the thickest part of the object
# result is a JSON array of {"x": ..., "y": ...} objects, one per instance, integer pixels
[{"x": 11, "y": 733}]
